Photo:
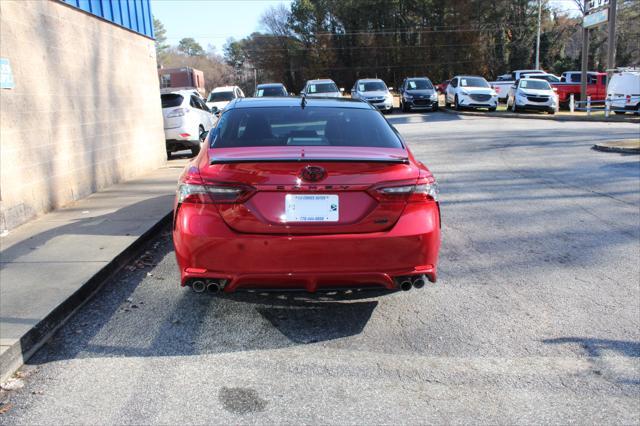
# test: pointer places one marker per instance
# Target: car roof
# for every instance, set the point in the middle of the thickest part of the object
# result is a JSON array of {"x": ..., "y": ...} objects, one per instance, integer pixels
[
  {"x": 415, "y": 78},
  {"x": 321, "y": 80},
  {"x": 369, "y": 80},
  {"x": 266, "y": 102},
  {"x": 270, "y": 85},
  {"x": 467, "y": 76},
  {"x": 530, "y": 78},
  {"x": 223, "y": 89}
]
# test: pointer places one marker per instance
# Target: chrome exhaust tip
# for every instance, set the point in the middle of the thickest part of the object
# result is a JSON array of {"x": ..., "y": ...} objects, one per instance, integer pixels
[
  {"x": 405, "y": 284},
  {"x": 198, "y": 286},
  {"x": 213, "y": 287},
  {"x": 419, "y": 281}
]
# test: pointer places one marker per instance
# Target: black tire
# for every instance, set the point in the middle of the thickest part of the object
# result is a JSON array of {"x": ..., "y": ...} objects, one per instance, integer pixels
[
  {"x": 404, "y": 107},
  {"x": 168, "y": 155},
  {"x": 492, "y": 109},
  {"x": 435, "y": 108},
  {"x": 456, "y": 105},
  {"x": 514, "y": 107},
  {"x": 551, "y": 111}
]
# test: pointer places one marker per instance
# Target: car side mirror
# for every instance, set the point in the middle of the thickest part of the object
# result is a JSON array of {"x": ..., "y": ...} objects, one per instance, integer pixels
[
  {"x": 204, "y": 135},
  {"x": 217, "y": 113}
]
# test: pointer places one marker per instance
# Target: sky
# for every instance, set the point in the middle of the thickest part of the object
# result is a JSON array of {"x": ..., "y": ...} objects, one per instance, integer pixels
[{"x": 212, "y": 22}]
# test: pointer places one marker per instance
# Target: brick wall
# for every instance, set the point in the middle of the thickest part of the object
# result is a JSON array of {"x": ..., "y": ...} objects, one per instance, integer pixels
[{"x": 85, "y": 110}]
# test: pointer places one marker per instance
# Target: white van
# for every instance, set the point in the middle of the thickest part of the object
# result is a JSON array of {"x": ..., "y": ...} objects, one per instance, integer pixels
[{"x": 623, "y": 91}]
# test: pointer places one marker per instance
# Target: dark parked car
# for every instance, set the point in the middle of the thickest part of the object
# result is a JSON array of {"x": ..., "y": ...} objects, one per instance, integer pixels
[
  {"x": 418, "y": 93},
  {"x": 270, "y": 90}
]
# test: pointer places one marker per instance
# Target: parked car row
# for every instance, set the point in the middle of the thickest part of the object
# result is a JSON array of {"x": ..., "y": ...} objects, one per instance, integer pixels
[{"x": 187, "y": 116}]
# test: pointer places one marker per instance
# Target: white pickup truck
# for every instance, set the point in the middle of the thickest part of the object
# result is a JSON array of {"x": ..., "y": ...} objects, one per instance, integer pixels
[{"x": 505, "y": 81}]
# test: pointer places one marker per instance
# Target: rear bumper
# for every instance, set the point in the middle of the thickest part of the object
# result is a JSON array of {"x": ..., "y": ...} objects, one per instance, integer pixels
[
  {"x": 207, "y": 248},
  {"x": 176, "y": 141}
]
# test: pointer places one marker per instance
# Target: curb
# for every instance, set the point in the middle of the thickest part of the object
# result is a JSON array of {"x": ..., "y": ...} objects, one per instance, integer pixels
[
  {"x": 18, "y": 353},
  {"x": 506, "y": 114},
  {"x": 605, "y": 148}
]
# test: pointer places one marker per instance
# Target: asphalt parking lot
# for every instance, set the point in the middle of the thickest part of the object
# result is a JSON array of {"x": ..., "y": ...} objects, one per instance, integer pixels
[{"x": 535, "y": 318}]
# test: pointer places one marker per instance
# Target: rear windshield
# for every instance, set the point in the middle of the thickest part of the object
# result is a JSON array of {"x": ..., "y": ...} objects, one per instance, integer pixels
[
  {"x": 312, "y": 126},
  {"x": 535, "y": 84},
  {"x": 322, "y": 88},
  {"x": 220, "y": 96},
  {"x": 171, "y": 100},
  {"x": 419, "y": 84},
  {"x": 473, "y": 82},
  {"x": 271, "y": 91}
]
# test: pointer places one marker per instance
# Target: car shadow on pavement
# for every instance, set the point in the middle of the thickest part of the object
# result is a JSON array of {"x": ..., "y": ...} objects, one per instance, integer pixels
[{"x": 310, "y": 318}]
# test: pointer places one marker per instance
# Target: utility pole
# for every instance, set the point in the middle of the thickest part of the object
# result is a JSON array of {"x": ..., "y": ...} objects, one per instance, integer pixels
[
  {"x": 585, "y": 55},
  {"x": 255, "y": 80},
  {"x": 611, "y": 53},
  {"x": 538, "y": 39}
]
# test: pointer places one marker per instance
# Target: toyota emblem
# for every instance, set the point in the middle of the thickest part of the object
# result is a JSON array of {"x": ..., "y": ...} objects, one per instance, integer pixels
[{"x": 313, "y": 173}]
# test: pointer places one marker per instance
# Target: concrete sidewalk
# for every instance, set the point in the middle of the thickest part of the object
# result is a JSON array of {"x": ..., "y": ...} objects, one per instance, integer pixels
[{"x": 51, "y": 265}]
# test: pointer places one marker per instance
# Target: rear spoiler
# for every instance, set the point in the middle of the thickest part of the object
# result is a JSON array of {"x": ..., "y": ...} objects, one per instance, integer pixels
[{"x": 214, "y": 160}]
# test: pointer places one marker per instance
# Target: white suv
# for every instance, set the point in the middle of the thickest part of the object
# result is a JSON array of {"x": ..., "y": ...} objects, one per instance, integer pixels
[
  {"x": 186, "y": 119},
  {"x": 220, "y": 97},
  {"x": 532, "y": 93},
  {"x": 468, "y": 91}
]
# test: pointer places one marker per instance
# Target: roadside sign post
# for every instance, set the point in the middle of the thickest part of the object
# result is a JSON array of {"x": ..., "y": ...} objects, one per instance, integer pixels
[
  {"x": 588, "y": 105},
  {"x": 572, "y": 103},
  {"x": 611, "y": 41},
  {"x": 607, "y": 108}
]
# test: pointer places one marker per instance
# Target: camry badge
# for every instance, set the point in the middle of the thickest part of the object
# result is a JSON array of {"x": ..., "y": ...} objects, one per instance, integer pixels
[{"x": 313, "y": 173}]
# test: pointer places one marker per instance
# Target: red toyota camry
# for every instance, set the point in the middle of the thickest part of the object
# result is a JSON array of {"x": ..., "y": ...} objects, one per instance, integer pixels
[{"x": 312, "y": 194}]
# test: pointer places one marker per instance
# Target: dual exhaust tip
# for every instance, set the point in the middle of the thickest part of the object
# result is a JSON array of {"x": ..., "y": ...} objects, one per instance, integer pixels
[
  {"x": 407, "y": 282},
  {"x": 210, "y": 286}
]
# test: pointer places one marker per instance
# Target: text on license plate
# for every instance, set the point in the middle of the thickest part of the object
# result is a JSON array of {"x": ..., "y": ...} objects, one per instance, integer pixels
[{"x": 311, "y": 208}]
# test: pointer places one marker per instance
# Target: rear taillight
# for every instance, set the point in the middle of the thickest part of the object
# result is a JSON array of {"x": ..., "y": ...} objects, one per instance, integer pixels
[
  {"x": 425, "y": 189},
  {"x": 213, "y": 194}
]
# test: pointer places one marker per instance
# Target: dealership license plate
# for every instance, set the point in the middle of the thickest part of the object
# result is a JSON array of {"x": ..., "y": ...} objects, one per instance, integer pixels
[{"x": 311, "y": 208}]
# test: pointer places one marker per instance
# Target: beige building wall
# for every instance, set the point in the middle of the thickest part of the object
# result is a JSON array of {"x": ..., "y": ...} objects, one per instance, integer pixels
[{"x": 85, "y": 110}]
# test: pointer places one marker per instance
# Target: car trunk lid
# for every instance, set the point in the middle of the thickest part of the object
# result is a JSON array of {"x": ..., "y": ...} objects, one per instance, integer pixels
[{"x": 288, "y": 199}]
